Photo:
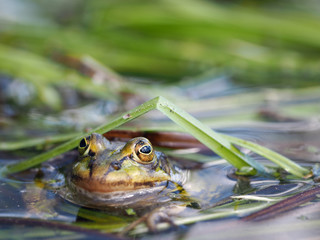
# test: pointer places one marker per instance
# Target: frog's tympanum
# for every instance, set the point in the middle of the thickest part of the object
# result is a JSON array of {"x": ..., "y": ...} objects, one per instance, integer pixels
[{"x": 121, "y": 174}]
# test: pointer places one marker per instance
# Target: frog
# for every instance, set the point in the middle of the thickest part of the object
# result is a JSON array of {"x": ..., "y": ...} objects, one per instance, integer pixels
[
  {"x": 128, "y": 178},
  {"x": 126, "y": 175}
]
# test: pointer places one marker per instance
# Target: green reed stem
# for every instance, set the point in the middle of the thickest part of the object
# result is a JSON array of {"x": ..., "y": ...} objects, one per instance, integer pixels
[
  {"x": 218, "y": 143},
  {"x": 277, "y": 158}
]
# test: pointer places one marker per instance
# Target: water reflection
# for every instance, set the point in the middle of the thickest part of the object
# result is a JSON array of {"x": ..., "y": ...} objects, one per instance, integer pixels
[
  {"x": 28, "y": 194},
  {"x": 299, "y": 140}
]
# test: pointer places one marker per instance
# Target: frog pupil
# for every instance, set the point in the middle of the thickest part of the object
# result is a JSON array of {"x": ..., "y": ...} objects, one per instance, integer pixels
[
  {"x": 91, "y": 153},
  {"x": 83, "y": 143},
  {"x": 145, "y": 149}
]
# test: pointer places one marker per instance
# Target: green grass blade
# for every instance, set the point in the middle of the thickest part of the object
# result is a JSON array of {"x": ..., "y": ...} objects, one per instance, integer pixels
[
  {"x": 206, "y": 135},
  {"x": 218, "y": 143},
  {"x": 277, "y": 158},
  {"x": 136, "y": 112},
  {"x": 35, "y": 142}
]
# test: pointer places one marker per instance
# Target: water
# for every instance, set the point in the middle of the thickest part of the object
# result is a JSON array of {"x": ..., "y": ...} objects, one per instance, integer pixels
[
  {"x": 23, "y": 196},
  {"x": 222, "y": 196}
]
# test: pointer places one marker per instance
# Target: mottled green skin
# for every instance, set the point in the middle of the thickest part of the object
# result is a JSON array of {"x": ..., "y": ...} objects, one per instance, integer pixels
[{"x": 106, "y": 169}]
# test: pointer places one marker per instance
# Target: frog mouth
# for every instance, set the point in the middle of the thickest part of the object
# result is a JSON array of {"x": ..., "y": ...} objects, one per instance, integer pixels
[
  {"x": 105, "y": 186},
  {"x": 84, "y": 197}
]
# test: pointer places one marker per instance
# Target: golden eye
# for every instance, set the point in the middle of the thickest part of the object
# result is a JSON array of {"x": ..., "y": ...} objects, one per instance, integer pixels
[
  {"x": 83, "y": 146},
  {"x": 144, "y": 151}
]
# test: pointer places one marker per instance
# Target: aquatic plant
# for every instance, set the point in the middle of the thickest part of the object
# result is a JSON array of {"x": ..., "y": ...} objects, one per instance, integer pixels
[{"x": 218, "y": 143}]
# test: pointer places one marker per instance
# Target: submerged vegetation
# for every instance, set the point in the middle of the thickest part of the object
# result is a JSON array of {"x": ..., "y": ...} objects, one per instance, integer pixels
[{"x": 240, "y": 78}]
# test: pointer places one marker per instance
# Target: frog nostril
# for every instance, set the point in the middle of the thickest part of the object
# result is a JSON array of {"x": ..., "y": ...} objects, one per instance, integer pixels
[{"x": 116, "y": 165}]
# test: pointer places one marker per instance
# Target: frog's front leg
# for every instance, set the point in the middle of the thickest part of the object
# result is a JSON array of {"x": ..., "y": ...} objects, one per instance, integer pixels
[
  {"x": 161, "y": 215},
  {"x": 156, "y": 216}
]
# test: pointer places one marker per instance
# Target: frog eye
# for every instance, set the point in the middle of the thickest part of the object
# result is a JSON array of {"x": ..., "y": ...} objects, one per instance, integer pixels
[
  {"x": 144, "y": 151},
  {"x": 83, "y": 146}
]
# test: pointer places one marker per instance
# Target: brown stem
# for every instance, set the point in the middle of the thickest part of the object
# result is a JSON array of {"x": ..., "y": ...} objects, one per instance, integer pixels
[{"x": 284, "y": 205}]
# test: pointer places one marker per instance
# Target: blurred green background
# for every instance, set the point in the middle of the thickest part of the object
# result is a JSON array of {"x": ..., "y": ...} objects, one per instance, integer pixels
[
  {"x": 254, "y": 41},
  {"x": 251, "y": 43}
]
